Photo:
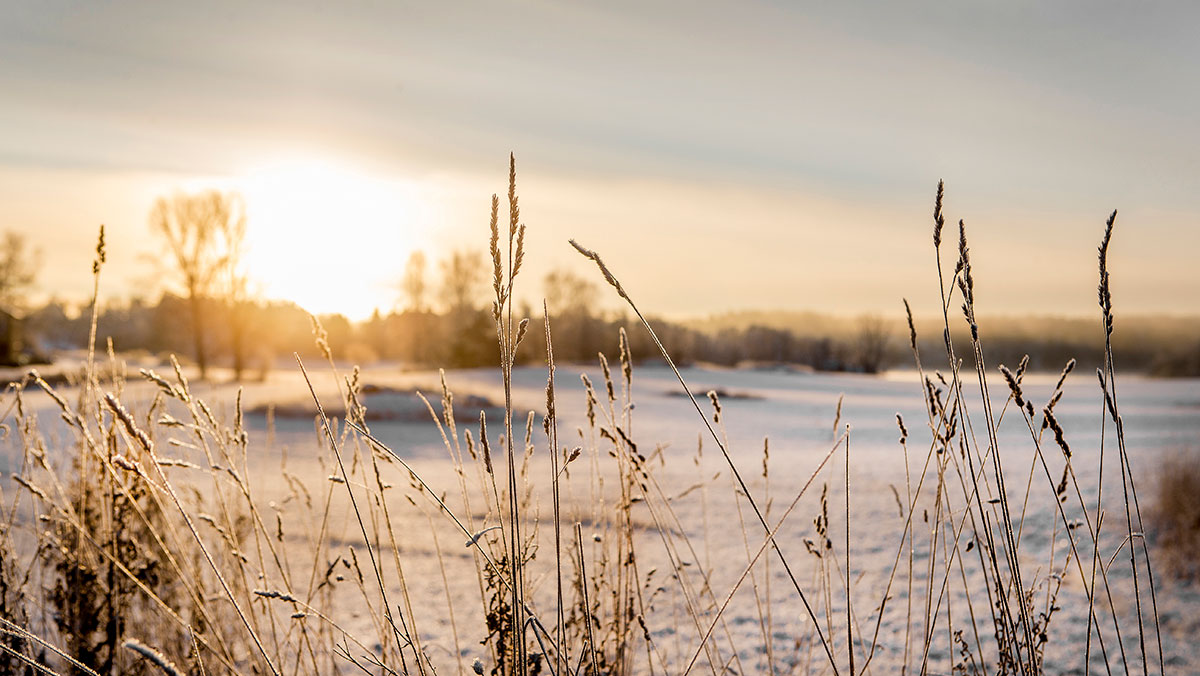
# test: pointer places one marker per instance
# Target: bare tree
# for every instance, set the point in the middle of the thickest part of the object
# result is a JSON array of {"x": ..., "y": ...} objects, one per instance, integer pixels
[
  {"x": 462, "y": 275},
  {"x": 569, "y": 294},
  {"x": 233, "y": 287},
  {"x": 204, "y": 233},
  {"x": 413, "y": 286},
  {"x": 18, "y": 270},
  {"x": 872, "y": 343},
  {"x": 466, "y": 339},
  {"x": 572, "y": 299}
]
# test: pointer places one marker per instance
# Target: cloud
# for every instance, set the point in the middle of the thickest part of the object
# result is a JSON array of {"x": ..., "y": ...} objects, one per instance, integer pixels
[{"x": 1038, "y": 115}]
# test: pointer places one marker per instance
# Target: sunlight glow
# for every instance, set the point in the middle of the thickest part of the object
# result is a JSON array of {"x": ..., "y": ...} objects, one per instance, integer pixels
[{"x": 330, "y": 238}]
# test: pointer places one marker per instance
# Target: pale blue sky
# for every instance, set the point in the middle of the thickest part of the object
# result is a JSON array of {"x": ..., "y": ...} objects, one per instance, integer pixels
[{"x": 720, "y": 155}]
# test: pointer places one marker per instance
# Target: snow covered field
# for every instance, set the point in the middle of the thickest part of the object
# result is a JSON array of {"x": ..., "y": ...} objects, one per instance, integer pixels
[{"x": 796, "y": 412}]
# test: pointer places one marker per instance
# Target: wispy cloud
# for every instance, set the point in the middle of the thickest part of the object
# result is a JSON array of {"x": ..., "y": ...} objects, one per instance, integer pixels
[{"x": 1030, "y": 110}]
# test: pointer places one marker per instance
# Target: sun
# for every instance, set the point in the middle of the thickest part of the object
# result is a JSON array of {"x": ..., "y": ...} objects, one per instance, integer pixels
[{"x": 328, "y": 237}]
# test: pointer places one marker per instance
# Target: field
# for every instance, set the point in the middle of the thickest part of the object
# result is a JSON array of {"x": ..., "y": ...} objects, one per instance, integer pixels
[{"x": 617, "y": 518}]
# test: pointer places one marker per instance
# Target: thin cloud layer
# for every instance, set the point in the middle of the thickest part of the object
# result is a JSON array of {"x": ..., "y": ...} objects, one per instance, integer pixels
[{"x": 1041, "y": 119}]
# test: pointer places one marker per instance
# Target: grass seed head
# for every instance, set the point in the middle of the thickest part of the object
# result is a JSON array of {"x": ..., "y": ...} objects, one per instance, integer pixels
[
  {"x": 153, "y": 656},
  {"x": 608, "y": 276},
  {"x": 938, "y": 219},
  {"x": 1013, "y": 385},
  {"x": 101, "y": 257},
  {"x": 483, "y": 442},
  {"x": 494, "y": 247}
]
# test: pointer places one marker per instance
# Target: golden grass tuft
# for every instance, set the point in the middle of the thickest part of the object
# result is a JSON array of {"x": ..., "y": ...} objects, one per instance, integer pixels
[{"x": 1175, "y": 514}]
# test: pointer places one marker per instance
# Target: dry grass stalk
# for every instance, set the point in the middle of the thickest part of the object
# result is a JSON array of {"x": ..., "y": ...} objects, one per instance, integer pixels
[
  {"x": 729, "y": 460},
  {"x": 153, "y": 656}
]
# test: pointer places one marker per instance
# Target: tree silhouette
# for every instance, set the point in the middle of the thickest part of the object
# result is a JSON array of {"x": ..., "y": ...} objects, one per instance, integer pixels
[
  {"x": 462, "y": 279},
  {"x": 872, "y": 343},
  {"x": 467, "y": 335},
  {"x": 18, "y": 269},
  {"x": 204, "y": 234},
  {"x": 571, "y": 299},
  {"x": 233, "y": 287},
  {"x": 413, "y": 284}
]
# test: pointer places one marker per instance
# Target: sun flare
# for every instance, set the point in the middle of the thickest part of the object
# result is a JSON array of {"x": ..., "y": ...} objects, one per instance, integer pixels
[{"x": 330, "y": 238}]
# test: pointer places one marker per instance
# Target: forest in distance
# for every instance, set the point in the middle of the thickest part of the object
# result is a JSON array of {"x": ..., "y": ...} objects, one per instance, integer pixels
[
  {"x": 440, "y": 318},
  {"x": 1156, "y": 345},
  {"x": 206, "y": 312}
]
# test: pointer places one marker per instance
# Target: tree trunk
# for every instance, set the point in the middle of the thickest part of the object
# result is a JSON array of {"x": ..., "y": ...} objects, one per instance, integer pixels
[
  {"x": 198, "y": 333},
  {"x": 237, "y": 320}
]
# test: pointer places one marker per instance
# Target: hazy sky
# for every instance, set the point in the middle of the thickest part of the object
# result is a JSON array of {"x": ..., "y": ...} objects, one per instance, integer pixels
[{"x": 718, "y": 155}]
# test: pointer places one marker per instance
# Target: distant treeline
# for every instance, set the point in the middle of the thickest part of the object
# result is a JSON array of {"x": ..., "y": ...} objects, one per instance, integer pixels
[
  {"x": 466, "y": 338},
  {"x": 1159, "y": 345},
  {"x": 270, "y": 331}
]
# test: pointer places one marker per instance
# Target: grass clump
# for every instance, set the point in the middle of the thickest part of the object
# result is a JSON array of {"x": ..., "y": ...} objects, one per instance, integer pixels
[{"x": 1175, "y": 515}]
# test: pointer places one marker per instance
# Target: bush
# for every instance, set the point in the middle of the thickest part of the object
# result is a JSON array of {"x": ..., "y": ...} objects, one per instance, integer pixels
[{"x": 1175, "y": 515}]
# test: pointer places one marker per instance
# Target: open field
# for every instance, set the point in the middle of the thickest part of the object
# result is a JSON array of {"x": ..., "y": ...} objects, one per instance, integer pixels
[
  {"x": 795, "y": 411},
  {"x": 613, "y": 519}
]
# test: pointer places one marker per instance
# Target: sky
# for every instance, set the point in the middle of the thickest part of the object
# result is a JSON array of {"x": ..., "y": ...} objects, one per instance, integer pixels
[{"x": 719, "y": 156}]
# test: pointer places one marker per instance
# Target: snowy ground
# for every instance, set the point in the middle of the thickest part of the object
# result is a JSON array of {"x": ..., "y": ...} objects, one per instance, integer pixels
[{"x": 796, "y": 412}]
